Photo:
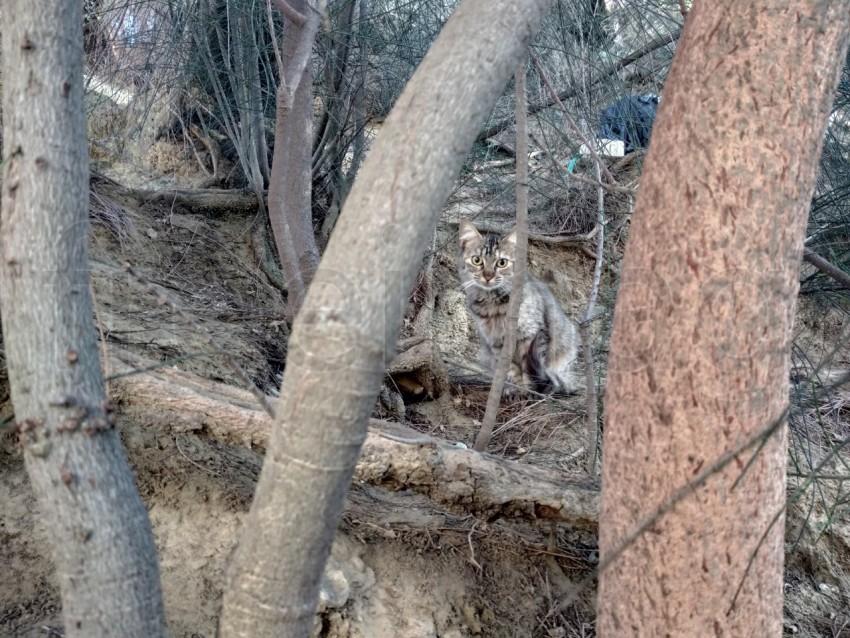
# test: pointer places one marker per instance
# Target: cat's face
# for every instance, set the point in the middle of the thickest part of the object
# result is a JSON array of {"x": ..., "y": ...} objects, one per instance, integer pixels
[{"x": 486, "y": 261}]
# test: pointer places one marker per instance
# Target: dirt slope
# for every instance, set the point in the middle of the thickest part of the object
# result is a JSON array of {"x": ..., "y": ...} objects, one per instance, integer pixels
[{"x": 401, "y": 566}]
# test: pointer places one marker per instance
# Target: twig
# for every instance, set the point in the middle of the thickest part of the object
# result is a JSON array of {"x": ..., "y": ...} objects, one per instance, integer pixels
[
  {"x": 472, "y": 549},
  {"x": 507, "y": 354},
  {"x": 195, "y": 463},
  {"x": 584, "y": 330},
  {"x": 820, "y": 477},
  {"x": 798, "y": 493},
  {"x": 578, "y": 85},
  {"x": 570, "y": 122},
  {"x": 542, "y": 239},
  {"x": 273, "y": 35},
  {"x": 615, "y": 188},
  {"x": 827, "y": 268},
  {"x": 190, "y": 323}
]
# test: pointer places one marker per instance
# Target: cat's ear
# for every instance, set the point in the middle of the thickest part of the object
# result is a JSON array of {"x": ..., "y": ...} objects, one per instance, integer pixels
[
  {"x": 466, "y": 233},
  {"x": 510, "y": 240}
]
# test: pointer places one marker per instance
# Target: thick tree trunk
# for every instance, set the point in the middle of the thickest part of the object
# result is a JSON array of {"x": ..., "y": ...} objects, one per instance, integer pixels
[
  {"x": 102, "y": 542},
  {"x": 347, "y": 328},
  {"x": 700, "y": 352}
]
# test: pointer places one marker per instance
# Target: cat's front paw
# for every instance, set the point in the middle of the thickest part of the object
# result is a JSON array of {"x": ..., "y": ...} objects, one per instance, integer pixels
[{"x": 513, "y": 383}]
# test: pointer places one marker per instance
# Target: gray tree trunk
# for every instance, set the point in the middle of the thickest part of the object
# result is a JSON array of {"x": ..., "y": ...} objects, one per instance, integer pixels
[
  {"x": 701, "y": 347},
  {"x": 348, "y": 325},
  {"x": 290, "y": 188},
  {"x": 99, "y": 530}
]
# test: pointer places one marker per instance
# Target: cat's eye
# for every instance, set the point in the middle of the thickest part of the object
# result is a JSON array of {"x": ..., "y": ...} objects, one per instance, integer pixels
[
  {"x": 476, "y": 260},
  {"x": 502, "y": 263}
]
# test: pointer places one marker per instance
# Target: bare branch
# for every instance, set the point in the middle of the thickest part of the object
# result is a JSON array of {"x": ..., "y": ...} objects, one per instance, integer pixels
[
  {"x": 570, "y": 122},
  {"x": 584, "y": 330},
  {"x": 507, "y": 354},
  {"x": 273, "y": 35},
  {"x": 614, "y": 188},
  {"x": 582, "y": 84},
  {"x": 827, "y": 268}
]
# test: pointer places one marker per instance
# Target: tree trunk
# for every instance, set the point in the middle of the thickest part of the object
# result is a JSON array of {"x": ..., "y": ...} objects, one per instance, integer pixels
[
  {"x": 290, "y": 188},
  {"x": 98, "y": 527},
  {"x": 347, "y": 328},
  {"x": 700, "y": 352}
]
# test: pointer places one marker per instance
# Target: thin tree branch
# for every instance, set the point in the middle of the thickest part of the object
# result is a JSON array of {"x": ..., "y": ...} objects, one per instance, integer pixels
[
  {"x": 614, "y": 188},
  {"x": 579, "y": 85},
  {"x": 506, "y": 356},
  {"x": 827, "y": 268},
  {"x": 584, "y": 330},
  {"x": 570, "y": 122},
  {"x": 273, "y": 35}
]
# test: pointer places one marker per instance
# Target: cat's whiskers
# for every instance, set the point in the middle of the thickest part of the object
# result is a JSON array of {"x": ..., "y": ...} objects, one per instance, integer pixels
[{"x": 466, "y": 285}]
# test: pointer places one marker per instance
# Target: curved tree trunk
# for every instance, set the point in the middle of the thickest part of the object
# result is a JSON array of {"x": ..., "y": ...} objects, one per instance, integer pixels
[
  {"x": 347, "y": 327},
  {"x": 290, "y": 188},
  {"x": 700, "y": 352},
  {"x": 101, "y": 538}
]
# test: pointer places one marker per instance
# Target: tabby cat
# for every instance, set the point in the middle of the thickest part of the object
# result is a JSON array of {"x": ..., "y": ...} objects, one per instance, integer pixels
[{"x": 547, "y": 340}]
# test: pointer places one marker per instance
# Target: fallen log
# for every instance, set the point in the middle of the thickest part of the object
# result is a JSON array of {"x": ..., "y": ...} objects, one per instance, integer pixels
[
  {"x": 207, "y": 201},
  {"x": 393, "y": 456}
]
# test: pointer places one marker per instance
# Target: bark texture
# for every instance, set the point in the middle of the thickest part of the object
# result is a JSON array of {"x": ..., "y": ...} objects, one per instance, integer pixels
[
  {"x": 290, "y": 188},
  {"x": 98, "y": 527},
  {"x": 347, "y": 327},
  {"x": 700, "y": 352}
]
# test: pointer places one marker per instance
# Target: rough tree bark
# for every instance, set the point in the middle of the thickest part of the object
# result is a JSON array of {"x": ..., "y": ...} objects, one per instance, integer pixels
[
  {"x": 700, "y": 350},
  {"x": 352, "y": 314},
  {"x": 101, "y": 538},
  {"x": 290, "y": 188}
]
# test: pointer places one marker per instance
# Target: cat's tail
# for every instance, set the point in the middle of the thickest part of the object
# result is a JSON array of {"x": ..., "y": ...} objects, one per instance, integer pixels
[{"x": 541, "y": 380}]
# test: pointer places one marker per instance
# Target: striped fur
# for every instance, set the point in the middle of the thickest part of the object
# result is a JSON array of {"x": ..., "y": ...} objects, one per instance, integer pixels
[{"x": 547, "y": 341}]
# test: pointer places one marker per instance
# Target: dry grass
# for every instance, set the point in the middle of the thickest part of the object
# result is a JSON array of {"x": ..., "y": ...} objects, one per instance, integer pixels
[{"x": 115, "y": 219}]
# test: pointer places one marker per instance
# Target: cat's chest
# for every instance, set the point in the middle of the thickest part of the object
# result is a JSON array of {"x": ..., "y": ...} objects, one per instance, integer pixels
[
  {"x": 489, "y": 306},
  {"x": 491, "y": 313}
]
